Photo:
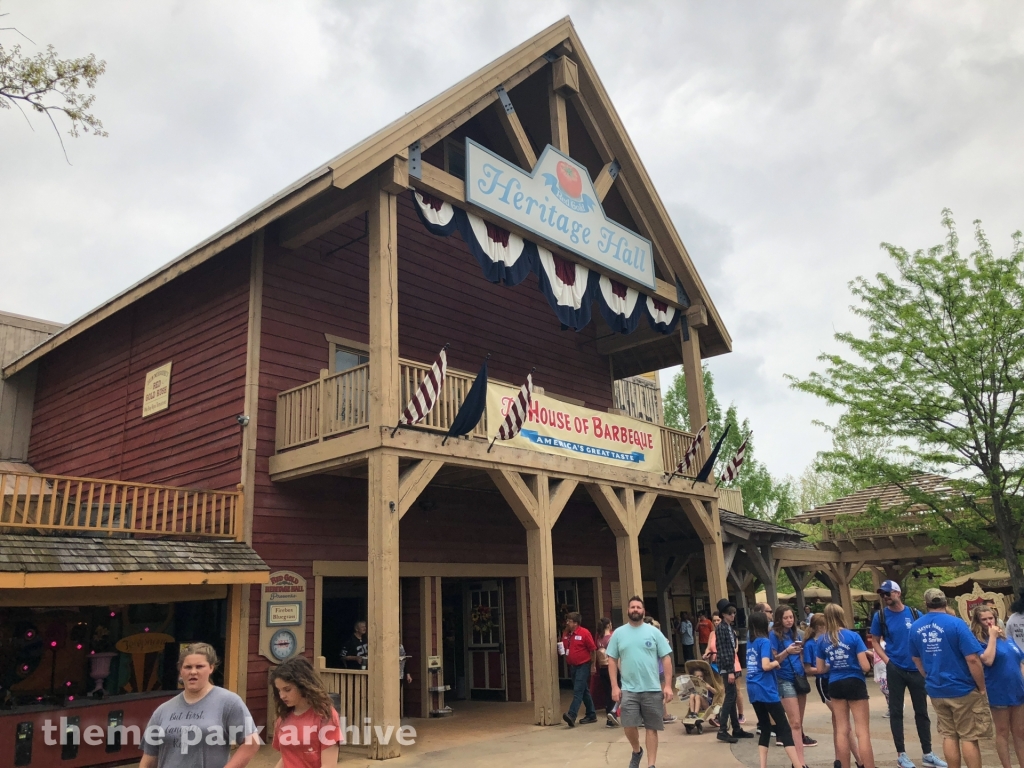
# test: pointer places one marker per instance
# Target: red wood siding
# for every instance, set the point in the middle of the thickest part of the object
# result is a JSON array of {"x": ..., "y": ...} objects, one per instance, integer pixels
[{"x": 88, "y": 407}]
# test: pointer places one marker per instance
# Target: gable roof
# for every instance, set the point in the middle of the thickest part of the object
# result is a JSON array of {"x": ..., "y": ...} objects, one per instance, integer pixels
[
  {"x": 437, "y": 117},
  {"x": 887, "y": 496}
]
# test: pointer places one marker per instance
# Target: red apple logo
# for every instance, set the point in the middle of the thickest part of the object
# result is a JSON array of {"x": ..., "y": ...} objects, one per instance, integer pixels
[{"x": 569, "y": 179}]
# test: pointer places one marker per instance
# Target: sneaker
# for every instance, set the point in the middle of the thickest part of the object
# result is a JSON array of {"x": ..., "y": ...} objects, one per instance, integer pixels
[
  {"x": 934, "y": 761},
  {"x": 588, "y": 720},
  {"x": 724, "y": 736},
  {"x": 904, "y": 762},
  {"x": 886, "y": 714},
  {"x": 669, "y": 719},
  {"x": 634, "y": 760},
  {"x": 741, "y": 734},
  {"x": 612, "y": 720},
  {"x": 838, "y": 764},
  {"x": 570, "y": 721},
  {"x": 778, "y": 742},
  {"x": 809, "y": 742},
  {"x": 743, "y": 719}
]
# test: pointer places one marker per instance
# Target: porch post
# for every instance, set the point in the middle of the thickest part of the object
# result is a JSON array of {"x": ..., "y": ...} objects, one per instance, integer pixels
[
  {"x": 703, "y": 516},
  {"x": 383, "y": 481},
  {"x": 237, "y": 630},
  {"x": 541, "y": 570},
  {"x": 693, "y": 372},
  {"x": 625, "y": 517}
]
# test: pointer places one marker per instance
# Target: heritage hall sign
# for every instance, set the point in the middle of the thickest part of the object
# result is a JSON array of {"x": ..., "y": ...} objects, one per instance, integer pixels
[
  {"x": 557, "y": 202},
  {"x": 554, "y": 426}
]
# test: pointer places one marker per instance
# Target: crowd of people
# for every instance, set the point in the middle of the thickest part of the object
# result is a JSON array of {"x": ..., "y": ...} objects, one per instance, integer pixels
[{"x": 973, "y": 675}]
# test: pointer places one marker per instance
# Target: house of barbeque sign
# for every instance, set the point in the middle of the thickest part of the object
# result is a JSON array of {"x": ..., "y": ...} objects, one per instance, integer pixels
[{"x": 557, "y": 201}]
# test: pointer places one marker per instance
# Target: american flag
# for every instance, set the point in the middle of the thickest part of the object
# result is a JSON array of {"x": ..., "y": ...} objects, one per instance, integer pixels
[
  {"x": 426, "y": 394},
  {"x": 732, "y": 470},
  {"x": 691, "y": 452},
  {"x": 517, "y": 410}
]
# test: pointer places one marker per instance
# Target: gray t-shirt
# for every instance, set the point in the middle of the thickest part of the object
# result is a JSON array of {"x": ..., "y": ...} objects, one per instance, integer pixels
[{"x": 197, "y": 735}]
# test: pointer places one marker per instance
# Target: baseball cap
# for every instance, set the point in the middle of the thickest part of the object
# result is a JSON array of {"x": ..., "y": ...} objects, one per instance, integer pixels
[
  {"x": 934, "y": 597},
  {"x": 890, "y": 586}
]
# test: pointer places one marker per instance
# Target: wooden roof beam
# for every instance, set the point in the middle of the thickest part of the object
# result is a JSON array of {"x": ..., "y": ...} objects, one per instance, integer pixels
[
  {"x": 565, "y": 81},
  {"x": 322, "y": 214},
  {"x": 605, "y": 178},
  {"x": 525, "y": 154}
]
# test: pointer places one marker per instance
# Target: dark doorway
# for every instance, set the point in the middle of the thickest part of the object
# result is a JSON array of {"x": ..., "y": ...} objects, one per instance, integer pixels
[
  {"x": 344, "y": 603},
  {"x": 473, "y": 624}
]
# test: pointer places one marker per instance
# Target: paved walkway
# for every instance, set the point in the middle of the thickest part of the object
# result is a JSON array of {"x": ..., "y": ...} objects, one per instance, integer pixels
[{"x": 503, "y": 736}]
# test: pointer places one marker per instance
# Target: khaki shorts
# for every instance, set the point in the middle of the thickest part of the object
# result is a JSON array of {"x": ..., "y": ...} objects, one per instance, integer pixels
[{"x": 967, "y": 717}]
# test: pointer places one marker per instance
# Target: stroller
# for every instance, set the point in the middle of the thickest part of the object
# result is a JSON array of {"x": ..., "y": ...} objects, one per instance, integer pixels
[{"x": 694, "y": 721}]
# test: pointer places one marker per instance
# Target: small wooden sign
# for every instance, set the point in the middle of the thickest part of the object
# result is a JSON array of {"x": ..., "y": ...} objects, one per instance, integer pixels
[
  {"x": 144, "y": 642},
  {"x": 156, "y": 396}
]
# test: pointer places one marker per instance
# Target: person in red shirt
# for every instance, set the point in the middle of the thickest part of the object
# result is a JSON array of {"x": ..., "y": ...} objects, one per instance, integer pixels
[
  {"x": 308, "y": 730},
  {"x": 580, "y": 654},
  {"x": 704, "y": 628}
]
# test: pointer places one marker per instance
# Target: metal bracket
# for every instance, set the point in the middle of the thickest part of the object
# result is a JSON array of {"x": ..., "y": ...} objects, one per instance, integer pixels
[
  {"x": 613, "y": 169},
  {"x": 415, "y": 161},
  {"x": 506, "y": 102},
  {"x": 551, "y": 57}
]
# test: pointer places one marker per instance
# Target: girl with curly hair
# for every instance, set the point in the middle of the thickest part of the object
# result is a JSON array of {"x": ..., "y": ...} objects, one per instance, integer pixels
[{"x": 307, "y": 732}]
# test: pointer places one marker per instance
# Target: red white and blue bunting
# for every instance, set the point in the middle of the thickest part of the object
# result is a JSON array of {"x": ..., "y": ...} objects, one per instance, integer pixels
[{"x": 570, "y": 288}]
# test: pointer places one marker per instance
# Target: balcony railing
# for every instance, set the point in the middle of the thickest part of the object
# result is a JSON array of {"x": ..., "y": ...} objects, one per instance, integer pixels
[
  {"x": 57, "y": 504},
  {"x": 638, "y": 397},
  {"x": 338, "y": 403},
  {"x": 351, "y": 686}
]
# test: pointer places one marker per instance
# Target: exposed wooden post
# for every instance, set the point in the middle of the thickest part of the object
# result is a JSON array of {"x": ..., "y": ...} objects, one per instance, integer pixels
[
  {"x": 525, "y": 670},
  {"x": 800, "y": 579},
  {"x": 383, "y": 494},
  {"x": 559, "y": 122},
  {"x": 515, "y": 132},
  {"x": 383, "y": 601},
  {"x": 605, "y": 178},
  {"x": 237, "y": 631},
  {"x": 703, "y": 516},
  {"x": 693, "y": 372},
  {"x": 426, "y": 589},
  {"x": 842, "y": 575},
  {"x": 383, "y": 278},
  {"x": 620, "y": 511}
]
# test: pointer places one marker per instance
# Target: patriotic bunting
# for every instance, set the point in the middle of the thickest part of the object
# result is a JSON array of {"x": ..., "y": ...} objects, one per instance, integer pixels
[
  {"x": 426, "y": 394},
  {"x": 503, "y": 256},
  {"x": 691, "y": 453},
  {"x": 516, "y": 416},
  {"x": 620, "y": 305},
  {"x": 732, "y": 470},
  {"x": 570, "y": 288},
  {"x": 437, "y": 215}
]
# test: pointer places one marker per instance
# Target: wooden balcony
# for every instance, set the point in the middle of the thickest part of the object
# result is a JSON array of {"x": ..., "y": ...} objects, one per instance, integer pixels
[
  {"x": 640, "y": 398},
  {"x": 336, "y": 405},
  {"x": 58, "y": 505}
]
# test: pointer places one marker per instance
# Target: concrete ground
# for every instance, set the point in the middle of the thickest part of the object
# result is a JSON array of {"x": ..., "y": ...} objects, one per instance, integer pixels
[{"x": 494, "y": 735}]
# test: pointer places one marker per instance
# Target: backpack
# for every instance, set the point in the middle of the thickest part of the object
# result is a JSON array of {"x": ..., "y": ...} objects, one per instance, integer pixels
[{"x": 914, "y": 616}]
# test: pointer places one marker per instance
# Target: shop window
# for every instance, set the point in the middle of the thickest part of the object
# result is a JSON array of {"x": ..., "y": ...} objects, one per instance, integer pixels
[{"x": 345, "y": 354}]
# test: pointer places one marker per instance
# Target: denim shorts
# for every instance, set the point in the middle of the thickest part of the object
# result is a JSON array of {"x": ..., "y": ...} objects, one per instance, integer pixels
[{"x": 787, "y": 690}]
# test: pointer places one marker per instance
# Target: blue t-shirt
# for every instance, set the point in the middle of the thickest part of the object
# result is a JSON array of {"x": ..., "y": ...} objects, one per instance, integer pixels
[
  {"x": 897, "y": 640},
  {"x": 942, "y": 642},
  {"x": 639, "y": 651},
  {"x": 761, "y": 686},
  {"x": 790, "y": 666},
  {"x": 811, "y": 655},
  {"x": 1003, "y": 680},
  {"x": 842, "y": 659}
]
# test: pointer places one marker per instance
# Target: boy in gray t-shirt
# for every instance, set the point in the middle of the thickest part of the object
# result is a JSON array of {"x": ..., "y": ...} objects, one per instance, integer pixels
[{"x": 200, "y": 735}]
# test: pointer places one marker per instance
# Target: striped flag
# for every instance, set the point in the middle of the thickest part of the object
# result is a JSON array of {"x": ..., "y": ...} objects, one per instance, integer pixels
[
  {"x": 426, "y": 394},
  {"x": 516, "y": 416},
  {"x": 691, "y": 452},
  {"x": 732, "y": 470}
]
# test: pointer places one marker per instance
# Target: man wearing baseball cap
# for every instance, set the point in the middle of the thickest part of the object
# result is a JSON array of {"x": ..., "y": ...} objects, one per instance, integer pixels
[
  {"x": 892, "y": 624},
  {"x": 949, "y": 657}
]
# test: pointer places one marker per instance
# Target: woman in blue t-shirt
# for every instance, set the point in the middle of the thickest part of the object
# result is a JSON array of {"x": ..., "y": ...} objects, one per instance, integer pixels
[
  {"x": 763, "y": 689},
  {"x": 811, "y": 639},
  {"x": 1003, "y": 682},
  {"x": 783, "y": 635},
  {"x": 842, "y": 653}
]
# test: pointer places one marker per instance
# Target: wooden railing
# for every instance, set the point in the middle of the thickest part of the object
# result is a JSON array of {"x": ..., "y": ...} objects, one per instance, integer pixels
[
  {"x": 353, "y": 691},
  {"x": 674, "y": 444},
  {"x": 638, "y": 397},
  {"x": 58, "y": 504},
  {"x": 453, "y": 395}
]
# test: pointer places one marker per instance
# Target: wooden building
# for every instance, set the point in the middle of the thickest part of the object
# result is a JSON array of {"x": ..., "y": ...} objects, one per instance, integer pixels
[{"x": 296, "y": 336}]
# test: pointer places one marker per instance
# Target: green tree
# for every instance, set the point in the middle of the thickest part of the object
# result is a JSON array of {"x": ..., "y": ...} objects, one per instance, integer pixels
[
  {"x": 763, "y": 496},
  {"x": 940, "y": 375},
  {"x": 47, "y": 84}
]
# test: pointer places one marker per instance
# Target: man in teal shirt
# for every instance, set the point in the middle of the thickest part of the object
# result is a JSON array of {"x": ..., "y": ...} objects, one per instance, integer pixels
[{"x": 639, "y": 652}]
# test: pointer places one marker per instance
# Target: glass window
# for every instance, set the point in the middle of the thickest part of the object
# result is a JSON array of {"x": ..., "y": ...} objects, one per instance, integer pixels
[{"x": 345, "y": 359}]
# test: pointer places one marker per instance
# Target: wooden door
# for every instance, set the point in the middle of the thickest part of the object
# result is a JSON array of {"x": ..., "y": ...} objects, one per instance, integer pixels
[{"x": 485, "y": 633}]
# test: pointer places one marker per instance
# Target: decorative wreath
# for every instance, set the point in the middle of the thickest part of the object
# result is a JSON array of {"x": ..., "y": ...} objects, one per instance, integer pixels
[{"x": 483, "y": 620}]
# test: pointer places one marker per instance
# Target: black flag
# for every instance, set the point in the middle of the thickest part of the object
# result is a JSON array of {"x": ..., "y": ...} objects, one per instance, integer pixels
[
  {"x": 705, "y": 471},
  {"x": 472, "y": 407}
]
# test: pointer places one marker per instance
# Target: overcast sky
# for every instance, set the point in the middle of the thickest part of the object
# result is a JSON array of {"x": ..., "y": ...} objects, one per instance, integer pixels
[{"x": 786, "y": 139}]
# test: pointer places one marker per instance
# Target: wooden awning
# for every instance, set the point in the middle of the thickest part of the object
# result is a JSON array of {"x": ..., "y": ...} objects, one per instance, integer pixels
[{"x": 28, "y": 562}]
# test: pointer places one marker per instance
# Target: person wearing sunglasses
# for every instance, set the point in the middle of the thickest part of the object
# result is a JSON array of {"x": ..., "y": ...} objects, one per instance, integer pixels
[{"x": 892, "y": 623}]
